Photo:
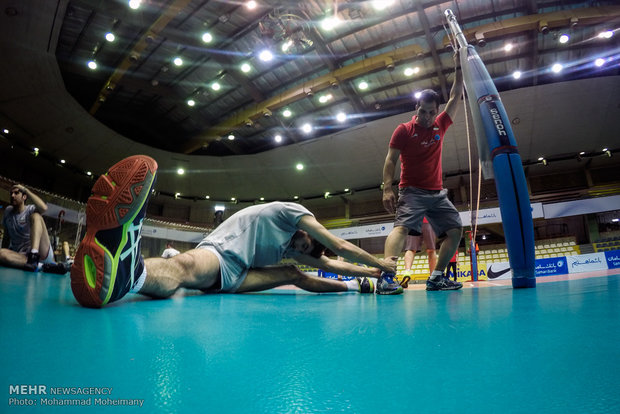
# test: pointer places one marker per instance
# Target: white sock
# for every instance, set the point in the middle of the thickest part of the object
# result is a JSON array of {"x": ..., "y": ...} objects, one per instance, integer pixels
[
  {"x": 34, "y": 251},
  {"x": 352, "y": 285},
  {"x": 436, "y": 274},
  {"x": 138, "y": 283}
]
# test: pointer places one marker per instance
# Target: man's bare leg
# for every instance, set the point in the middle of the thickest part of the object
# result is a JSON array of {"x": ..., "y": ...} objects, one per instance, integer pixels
[
  {"x": 194, "y": 269},
  {"x": 271, "y": 277}
]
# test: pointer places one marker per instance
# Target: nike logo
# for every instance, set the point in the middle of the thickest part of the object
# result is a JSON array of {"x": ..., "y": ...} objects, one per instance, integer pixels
[{"x": 495, "y": 275}]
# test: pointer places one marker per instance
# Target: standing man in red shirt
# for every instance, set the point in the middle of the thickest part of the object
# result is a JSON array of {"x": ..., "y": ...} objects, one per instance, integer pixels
[{"x": 418, "y": 144}]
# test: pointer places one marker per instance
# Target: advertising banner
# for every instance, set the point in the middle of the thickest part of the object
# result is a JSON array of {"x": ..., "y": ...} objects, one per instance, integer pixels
[{"x": 586, "y": 262}]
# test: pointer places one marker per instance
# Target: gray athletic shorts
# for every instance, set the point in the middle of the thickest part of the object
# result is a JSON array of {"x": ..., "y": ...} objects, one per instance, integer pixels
[
  {"x": 414, "y": 243},
  {"x": 232, "y": 271},
  {"x": 415, "y": 203}
]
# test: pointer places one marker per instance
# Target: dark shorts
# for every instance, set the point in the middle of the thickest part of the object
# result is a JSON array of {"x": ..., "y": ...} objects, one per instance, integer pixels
[{"x": 415, "y": 203}]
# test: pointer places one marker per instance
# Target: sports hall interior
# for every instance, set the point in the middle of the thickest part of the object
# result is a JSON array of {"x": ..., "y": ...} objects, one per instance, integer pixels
[{"x": 86, "y": 83}]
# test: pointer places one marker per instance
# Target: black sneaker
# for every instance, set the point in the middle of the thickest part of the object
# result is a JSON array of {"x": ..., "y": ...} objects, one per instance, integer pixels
[
  {"x": 32, "y": 262},
  {"x": 388, "y": 285},
  {"x": 442, "y": 283},
  {"x": 56, "y": 268},
  {"x": 108, "y": 260},
  {"x": 366, "y": 285}
]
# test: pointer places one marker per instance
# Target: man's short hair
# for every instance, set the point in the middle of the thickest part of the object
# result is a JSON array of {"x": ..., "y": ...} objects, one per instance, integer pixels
[
  {"x": 317, "y": 249},
  {"x": 428, "y": 96}
]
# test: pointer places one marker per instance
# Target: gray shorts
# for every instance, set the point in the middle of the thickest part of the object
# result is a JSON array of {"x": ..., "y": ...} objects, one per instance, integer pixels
[
  {"x": 415, "y": 203},
  {"x": 232, "y": 272}
]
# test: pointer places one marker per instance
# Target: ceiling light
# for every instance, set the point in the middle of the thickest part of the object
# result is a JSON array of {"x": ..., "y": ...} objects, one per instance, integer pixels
[
  {"x": 341, "y": 117},
  {"x": 296, "y": 197},
  {"x": 307, "y": 128},
  {"x": 516, "y": 74},
  {"x": 180, "y": 171},
  {"x": 177, "y": 195},
  {"x": 329, "y": 23},
  {"x": 207, "y": 197},
  {"x": 417, "y": 95},
  {"x": 216, "y": 86},
  {"x": 219, "y": 208},
  {"x": 363, "y": 85},
  {"x": 508, "y": 47},
  {"x": 299, "y": 167},
  {"x": 89, "y": 173},
  {"x": 286, "y": 45},
  {"x": 607, "y": 34},
  {"x": 92, "y": 64},
  {"x": 325, "y": 98},
  {"x": 231, "y": 137},
  {"x": 599, "y": 62},
  {"x": 110, "y": 37},
  {"x": 191, "y": 102},
  {"x": 251, "y": 4},
  {"x": 36, "y": 151},
  {"x": 265, "y": 55},
  {"x": 262, "y": 199},
  {"x": 382, "y": 4},
  {"x": 232, "y": 198},
  {"x": 541, "y": 158},
  {"x": 207, "y": 37},
  {"x": 411, "y": 71},
  {"x": 178, "y": 61},
  {"x": 62, "y": 161},
  {"x": 278, "y": 138},
  {"x": 557, "y": 68},
  {"x": 582, "y": 153},
  {"x": 245, "y": 68},
  {"x": 287, "y": 113},
  {"x": 135, "y": 4},
  {"x": 564, "y": 38},
  {"x": 6, "y": 131}
]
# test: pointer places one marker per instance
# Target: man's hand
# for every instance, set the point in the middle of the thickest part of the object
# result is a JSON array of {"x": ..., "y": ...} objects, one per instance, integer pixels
[
  {"x": 389, "y": 200},
  {"x": 21, "y": 188},
  {"x": 389, "y": 264}
]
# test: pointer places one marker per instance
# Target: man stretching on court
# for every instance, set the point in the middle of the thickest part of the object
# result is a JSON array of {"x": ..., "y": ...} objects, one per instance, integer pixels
[{"x": 240, "y": 255}]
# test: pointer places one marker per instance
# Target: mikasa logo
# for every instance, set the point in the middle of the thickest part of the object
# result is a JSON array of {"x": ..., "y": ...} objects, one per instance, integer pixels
[{"x": 497, "y": 120}]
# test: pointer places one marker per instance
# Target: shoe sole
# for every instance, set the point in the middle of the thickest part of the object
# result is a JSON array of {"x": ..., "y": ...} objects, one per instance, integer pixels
[
  {"x": 436, "y": 289},
  {"x": 391, "y": 292},
  {"x": 117, "y": 197}
]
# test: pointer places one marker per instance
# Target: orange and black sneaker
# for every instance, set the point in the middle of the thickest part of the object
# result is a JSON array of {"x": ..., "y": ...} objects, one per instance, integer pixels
[{"x": 108, "y": 260}]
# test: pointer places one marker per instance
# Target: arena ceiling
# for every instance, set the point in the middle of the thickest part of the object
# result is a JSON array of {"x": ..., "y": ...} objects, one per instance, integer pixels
[{"x": 181, "y": 78}]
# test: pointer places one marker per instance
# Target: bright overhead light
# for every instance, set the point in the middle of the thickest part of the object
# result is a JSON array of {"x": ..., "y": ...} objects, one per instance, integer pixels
[
  {"x": 231, "y": 137},
  {"x": 508, "y": 47},
  {"x": 287, "y": 113},
  {"x": 329, "y": 23},
  {"x": 411, "y": 71},
  {"x": 564, "y": 38},
  {"x": 278, "y": 138},
  {"x": 207, "y": 37},
  {"x": 178, "y": 61},
  {"x": 232, "y": 198},
  {"x": 219, "y": 207},
  {"x": 341, "y": 117},
  {"x": 516, "y": 74},
  {"x": 177, "y": 195},
  {"x": 557, "y": 68},
  {"x": 6, "y": 131},
  {"x": 89, "y": 173},
  {"x": 216, "y": 86},
  {"x": 382, "y": 4},
  {"x": 599, "y": 62},
  {"x": 265, "y": 55},
  {"x": 417, "y": 95},
  {"x": 207, "y": 197},
  {"x": 110, "y": 37},
  {"x": 92, "y": 64},
  {"x": 62, "y": 161},
  {"x": 180, "y": 171},
  {"x": 607, "y": 34},
  {"x": 262, "y": 199},
  {"x": 286, "y": 45},
  {"x": 541, "y": 158},
  {"x": 307, "y": 128},
  {"x": 251, "y": 4},
  {"x": 325, "y": 98},
  {"x": 135, "y": 4},
  {"x": 363, "y": 85},
  {"x": 191, "y": 102},
  {"x": 245, "y": 68}
]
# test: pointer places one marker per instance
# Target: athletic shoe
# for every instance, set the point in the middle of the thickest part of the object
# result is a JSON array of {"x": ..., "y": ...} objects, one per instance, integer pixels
[
  {"x": 442, "y": 283},
  {"x": 108, "y": 260},
  {"x": 32, "y": 262},
  {"x": 387, "y": 285},
  {"x": 56, "y": 268},
  {"x": 366, "y": 285},
  {"x": 405, "y": 282}
]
